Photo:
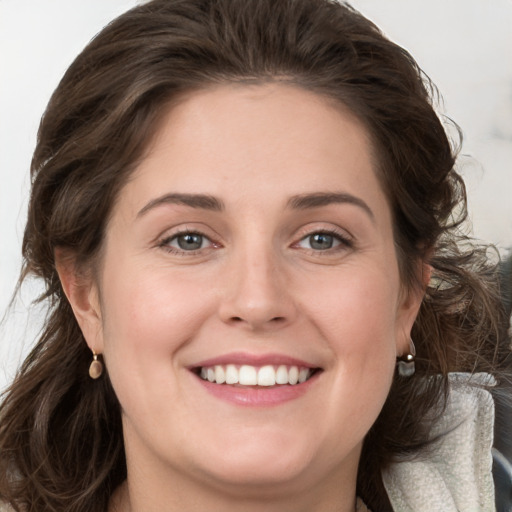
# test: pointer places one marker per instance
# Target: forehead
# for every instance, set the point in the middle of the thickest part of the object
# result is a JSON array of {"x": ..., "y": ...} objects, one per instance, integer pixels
[
  {"x": 255, "y": 148},
  {"x": 267, "y": 133}
]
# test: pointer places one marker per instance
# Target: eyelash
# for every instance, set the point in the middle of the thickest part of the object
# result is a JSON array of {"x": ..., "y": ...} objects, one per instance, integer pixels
[{"x": 344, "y": 242}]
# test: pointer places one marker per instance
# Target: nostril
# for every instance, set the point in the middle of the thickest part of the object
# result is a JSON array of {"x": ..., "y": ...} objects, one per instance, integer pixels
[
  {"x": 274, "y": 320},
  {"x": 254, "y": 317}
]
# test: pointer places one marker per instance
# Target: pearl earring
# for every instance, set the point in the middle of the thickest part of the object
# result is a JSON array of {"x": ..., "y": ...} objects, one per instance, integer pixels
[{"x": 405, "y": 364}]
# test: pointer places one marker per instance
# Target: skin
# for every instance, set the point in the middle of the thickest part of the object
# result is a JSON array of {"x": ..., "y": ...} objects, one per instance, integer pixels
[{"x": 256, "y": 285}]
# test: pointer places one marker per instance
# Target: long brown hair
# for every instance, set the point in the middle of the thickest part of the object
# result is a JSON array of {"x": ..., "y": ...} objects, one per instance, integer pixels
[{"x": 61, "y": 440}]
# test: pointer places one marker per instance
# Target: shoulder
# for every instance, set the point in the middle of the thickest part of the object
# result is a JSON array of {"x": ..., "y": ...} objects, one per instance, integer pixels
[
  {"x": 456, "y": 473},
  {"x": 5, "y": 508}
]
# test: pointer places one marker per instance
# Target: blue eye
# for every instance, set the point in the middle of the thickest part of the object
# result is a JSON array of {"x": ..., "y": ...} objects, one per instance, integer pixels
[
  {"x": 189, "y": 241},
  {"x": 323, "y": 241},
  {"x": 186, "y": 242}
]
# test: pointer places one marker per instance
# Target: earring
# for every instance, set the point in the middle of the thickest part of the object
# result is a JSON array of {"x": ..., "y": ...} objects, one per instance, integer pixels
[
  {"x": 96, "y": 367},
  {"x": 405, "y": 365}
]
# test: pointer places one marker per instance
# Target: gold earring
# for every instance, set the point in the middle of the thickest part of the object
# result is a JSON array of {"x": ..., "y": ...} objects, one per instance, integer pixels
[{"x": 96, "y": 367}]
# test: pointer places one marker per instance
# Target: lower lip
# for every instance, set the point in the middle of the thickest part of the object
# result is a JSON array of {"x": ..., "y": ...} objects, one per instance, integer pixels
[{"x": 258, "y": 396}]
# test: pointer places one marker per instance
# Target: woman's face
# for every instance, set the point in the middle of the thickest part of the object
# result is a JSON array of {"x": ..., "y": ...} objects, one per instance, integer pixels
[{"x": 253, "y": 243}]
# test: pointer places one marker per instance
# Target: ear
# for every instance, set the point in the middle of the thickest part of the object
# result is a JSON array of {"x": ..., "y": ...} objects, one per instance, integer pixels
[
  {"x": 82, "y": 293},
  {"x": 409, "y": 308}
]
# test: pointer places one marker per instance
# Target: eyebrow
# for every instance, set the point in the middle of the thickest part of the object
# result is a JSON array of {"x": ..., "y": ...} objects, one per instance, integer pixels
[
  {"x": 200, "y": 201},
  {"x": 298, "y": 202},
  {"x": 318, "y": 199}
]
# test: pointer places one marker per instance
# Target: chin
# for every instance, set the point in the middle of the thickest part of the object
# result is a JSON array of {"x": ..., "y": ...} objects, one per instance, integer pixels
[
  {"x": 246, "y": 477},
  {"x": 267, "y": 463}
]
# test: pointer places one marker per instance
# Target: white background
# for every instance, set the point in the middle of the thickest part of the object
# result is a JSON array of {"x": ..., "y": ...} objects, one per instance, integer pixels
[{"x": 465, "y": 46}]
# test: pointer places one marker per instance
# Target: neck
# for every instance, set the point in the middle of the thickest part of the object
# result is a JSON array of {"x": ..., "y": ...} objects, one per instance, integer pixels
[
  {"x": 125, "y": 501},
  {"x": 155, "y": 483},
  {"x": 134, "y": 496},
  {"x": 129, "y": 497}
]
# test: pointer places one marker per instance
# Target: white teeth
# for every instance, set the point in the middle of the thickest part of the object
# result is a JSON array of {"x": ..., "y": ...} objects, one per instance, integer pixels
[
  {"x": 247, "y": 375},
  {"x": 220, "y": 375},
  {"x": 231, "y": 374},
  {"x": 282, "y": 375},
  {"x": 266, "y": 376},
  {"x": 303, "y": 375},
  {"x": 293, "y": 375}
]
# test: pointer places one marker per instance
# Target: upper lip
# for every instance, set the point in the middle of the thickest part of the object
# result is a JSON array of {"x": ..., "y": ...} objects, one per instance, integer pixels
[{"x": 241, "y": 358}]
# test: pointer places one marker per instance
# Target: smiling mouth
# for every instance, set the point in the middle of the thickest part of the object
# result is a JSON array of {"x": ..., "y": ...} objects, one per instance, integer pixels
[{"x": 247, "y": 375}]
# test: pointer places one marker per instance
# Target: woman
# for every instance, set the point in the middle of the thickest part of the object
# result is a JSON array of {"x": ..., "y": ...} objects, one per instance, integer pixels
[{"x": 244, "y": 214}]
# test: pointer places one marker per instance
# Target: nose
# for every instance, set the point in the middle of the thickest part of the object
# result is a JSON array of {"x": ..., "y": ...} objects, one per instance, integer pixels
[{"x": 257, "y": 294}]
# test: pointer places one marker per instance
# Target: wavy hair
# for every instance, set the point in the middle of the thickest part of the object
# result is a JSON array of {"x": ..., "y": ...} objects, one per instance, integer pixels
[{"x": 61, "y": 440}]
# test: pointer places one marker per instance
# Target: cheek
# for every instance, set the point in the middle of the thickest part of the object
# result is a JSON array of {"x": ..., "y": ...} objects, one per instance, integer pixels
[
  {"x": 359, "y": 321},
  {"x": 147, "y": 320},
  {"x": 363, "y": 332},
  {"x": 150, "y": 315},
  {"x": 357, "y": 311}
]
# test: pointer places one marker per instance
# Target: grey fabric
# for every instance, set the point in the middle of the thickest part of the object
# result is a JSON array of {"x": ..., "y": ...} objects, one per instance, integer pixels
[{"x": 457, "y": 474}]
